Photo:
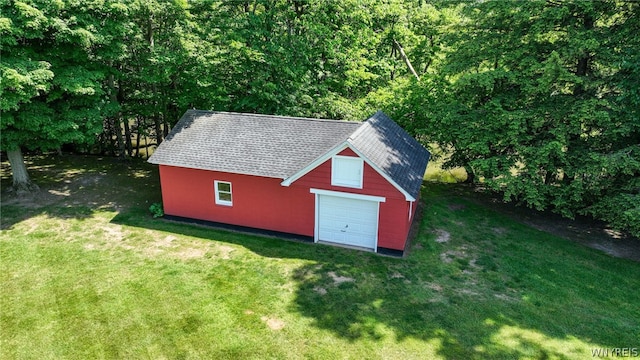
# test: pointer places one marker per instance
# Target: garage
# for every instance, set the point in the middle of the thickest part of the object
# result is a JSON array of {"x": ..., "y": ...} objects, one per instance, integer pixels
[
  {"x": 339, "y": 182},
  {"x": 347, "y": 219}
]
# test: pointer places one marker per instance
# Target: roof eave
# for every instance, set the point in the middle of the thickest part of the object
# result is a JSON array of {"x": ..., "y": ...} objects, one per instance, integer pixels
[
  {"x": 218, "y": 170},
  {"x": 382, "y": 173},
  {"x": 315, "y": 163},
  {"x": 334, "y": 151}
]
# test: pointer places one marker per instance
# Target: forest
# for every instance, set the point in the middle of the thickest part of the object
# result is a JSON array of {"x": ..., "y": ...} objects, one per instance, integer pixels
[{"x": 537, "y": 100}]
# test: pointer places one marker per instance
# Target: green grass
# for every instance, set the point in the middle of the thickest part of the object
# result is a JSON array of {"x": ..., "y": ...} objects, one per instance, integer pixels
[
  {"x": 435, "y": 173},
  {"x": 90, "y": 274}
]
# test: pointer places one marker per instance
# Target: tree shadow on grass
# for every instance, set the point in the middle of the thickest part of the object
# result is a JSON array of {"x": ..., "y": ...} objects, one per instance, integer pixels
[
  {"x": 485, "y": 299},
  {"x": 494, "y": 289},
  {"x": 463, "y": 326},
  {"x": 75, "y": 186}
]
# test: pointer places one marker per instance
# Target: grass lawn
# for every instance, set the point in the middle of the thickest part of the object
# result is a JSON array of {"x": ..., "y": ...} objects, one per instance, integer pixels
[{"x": 86, "y": 272}]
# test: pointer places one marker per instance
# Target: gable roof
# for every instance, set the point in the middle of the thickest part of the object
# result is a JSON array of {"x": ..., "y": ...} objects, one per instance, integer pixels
[
  {"x": 393, "y": 151},
  {"x": 289, "y": 147},
  {"x": 250, "y": 144}
]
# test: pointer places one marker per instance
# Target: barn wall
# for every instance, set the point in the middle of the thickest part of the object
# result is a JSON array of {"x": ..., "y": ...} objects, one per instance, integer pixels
[
  {"x": 263, "y": 203},
  {"x": 394, "y": 219},
  {"x": 258, "y": 202}
]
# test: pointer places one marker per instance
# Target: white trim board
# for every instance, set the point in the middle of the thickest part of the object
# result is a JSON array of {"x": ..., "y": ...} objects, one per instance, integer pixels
[
  {"x": 348, "y": 195},
  {"x": 220, "y": 201},
  {"x": 329, "y": 154},
  {"x": 315, "y": 163}
]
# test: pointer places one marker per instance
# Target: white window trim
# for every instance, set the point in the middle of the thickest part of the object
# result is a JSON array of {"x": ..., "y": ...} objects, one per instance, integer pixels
[
  {"x": 218, "y": 200},
  {"x": 348, "y": 158}
]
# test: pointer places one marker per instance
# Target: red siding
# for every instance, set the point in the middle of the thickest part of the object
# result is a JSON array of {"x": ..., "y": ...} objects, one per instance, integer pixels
[
  {"x": 258, "y": 202},
  {"x": 263, "y": 203},
  {"x": 394, "y": 221}
]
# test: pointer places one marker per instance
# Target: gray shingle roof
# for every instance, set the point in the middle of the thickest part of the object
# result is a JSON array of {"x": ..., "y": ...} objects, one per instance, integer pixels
[
  {"x": 262, "y": 145},
  {"x": 394, "y": 151},
  {"x": 280, "y": 146}
]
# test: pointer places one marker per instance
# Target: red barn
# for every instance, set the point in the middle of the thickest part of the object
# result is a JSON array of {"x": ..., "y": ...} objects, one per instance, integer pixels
[{"x": 340, "y": 182}]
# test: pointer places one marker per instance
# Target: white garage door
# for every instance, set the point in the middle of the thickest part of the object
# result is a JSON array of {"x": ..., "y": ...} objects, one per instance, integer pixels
[{"x": 348, "y": 221}]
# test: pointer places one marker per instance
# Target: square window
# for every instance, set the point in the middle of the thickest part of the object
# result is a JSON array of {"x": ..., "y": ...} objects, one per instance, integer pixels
[
  {"x": 223, "y": 193},
  {"x": 347, "y": 171}
]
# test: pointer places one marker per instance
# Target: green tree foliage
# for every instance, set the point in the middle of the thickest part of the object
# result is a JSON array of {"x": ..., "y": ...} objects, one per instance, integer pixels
[
  {"x": 154, "y": 80},
  {"x": 311, "y": 58},
  {"x": 540, "y": 100},
  {"x": 51, "y": 88}
]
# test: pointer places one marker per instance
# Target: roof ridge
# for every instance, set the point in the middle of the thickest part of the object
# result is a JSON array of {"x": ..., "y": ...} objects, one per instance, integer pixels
[
  {"x": 272, "y": 116},
  {"x": 392, "y": 149},
  {"x": 361, "y": 128}
]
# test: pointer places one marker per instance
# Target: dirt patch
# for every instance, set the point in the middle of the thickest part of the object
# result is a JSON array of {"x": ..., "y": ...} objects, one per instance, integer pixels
[
  {"x": 89, "y": 179},
  {"x": 448, "y": 256},
  {"x": 66, "y": 192},
  {"x": 33, "y": 200},
  {"x": 320, "y": 290},
  {"x": 499, "y": 230},
  {"x": 443, "y": 236},
  {"x": 505, "y": 297},
  {"x": 455, "y": 207},
  {"x": 273, "y": 323},
  {"x": 165, "y": 242},
  {"x": 225, "y": 251},
  {"x": 191, "y": 253},
  {"x": 434, "y": 286},
  {"x": 468, "y": 292},
  {"x": 618, "y": 248},
  {"x": 158, "y": 246},
  {"x": 60, "y": 192},
  {"x": 113, "y": 233},
  {"x": 337, "y": 280}
]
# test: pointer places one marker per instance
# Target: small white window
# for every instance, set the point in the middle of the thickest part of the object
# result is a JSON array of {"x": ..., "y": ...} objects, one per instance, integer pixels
[
  {"x": 347, "y": 171},
  {"x": 223, "y": 192}
]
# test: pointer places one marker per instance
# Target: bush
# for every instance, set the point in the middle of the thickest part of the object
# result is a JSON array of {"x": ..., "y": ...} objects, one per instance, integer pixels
[
  {"x": 156, "y": 210},
  {"x": 622, "y": 212}
]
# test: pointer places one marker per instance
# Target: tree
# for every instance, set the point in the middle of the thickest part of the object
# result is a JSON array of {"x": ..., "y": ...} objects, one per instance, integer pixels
[
  {"x": 541, "y": 103},
  {"x": 51, "y": 90}
]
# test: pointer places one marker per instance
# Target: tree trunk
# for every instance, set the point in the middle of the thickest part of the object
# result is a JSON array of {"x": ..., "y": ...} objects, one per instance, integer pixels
[
  {"x": 582, "y": 67},
  {"x": 158, "y": 126},
  {"x": 117, "y": 128},
  {"x": 127, "y": 137},
  {"x": 138, "y": 132},
  {"x": 471, "y": 176},
  {"x": 406, "y": 59},
  {"x": 21, "y": 182}
]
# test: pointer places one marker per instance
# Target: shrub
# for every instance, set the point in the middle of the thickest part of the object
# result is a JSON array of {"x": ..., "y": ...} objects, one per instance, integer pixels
[{"x": 156, "y": 210}]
